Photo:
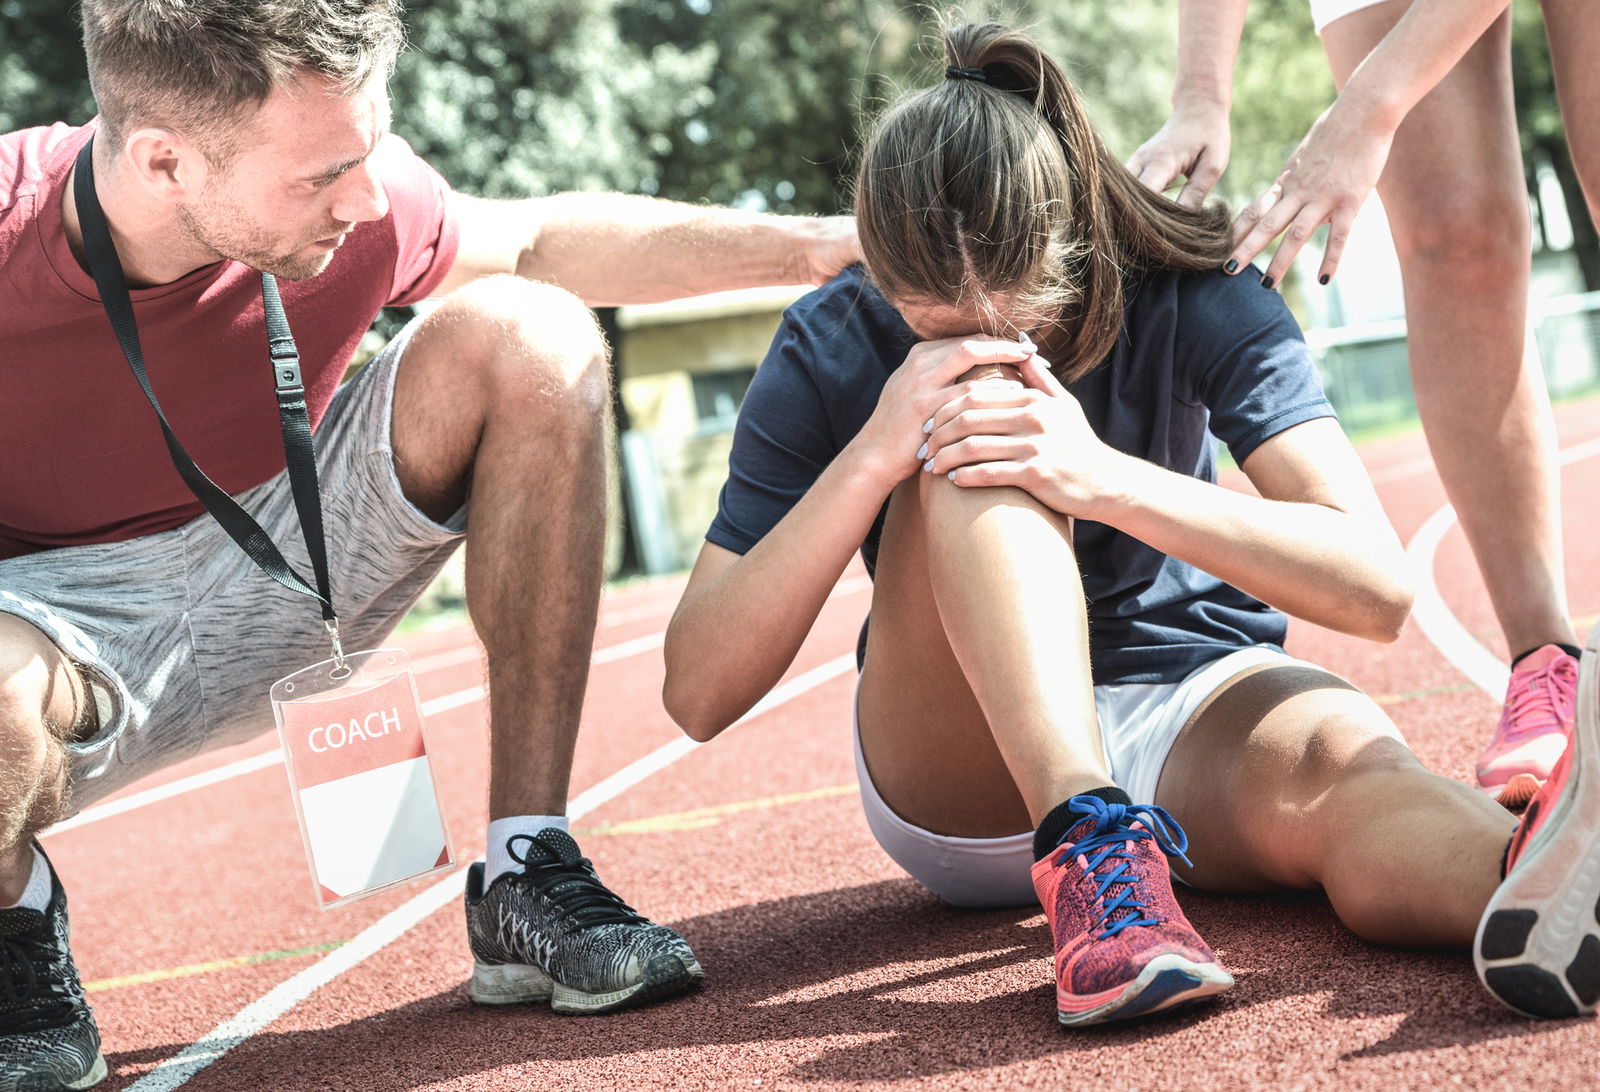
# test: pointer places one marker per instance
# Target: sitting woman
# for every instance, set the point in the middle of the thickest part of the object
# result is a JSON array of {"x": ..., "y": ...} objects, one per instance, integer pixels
[{"x": 1075, "y": 632}]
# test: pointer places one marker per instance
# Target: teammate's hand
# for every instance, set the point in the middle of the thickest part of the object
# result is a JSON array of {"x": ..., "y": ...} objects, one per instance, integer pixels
[
  {"x": 1193, "y": 144},
  {"x": 1325, "y": 182}
]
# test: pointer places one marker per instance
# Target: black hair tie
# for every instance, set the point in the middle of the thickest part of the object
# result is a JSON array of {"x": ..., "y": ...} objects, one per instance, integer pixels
[
  {"x": 962, "y": 72},
  {"x": 1002, "y": 77}
]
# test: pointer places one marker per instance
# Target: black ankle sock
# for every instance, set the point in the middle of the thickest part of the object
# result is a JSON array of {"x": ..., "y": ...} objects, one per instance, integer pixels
[
  {"x": 1571, "y": 650},
  {"x": 1062, "y": 819}
]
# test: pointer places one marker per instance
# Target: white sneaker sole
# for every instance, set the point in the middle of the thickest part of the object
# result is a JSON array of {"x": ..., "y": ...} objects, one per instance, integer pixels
[
  {"x": 1165, "y": 982},
  {"x": 519, "y": 984},
  {"x": 1537, "y": 947}
]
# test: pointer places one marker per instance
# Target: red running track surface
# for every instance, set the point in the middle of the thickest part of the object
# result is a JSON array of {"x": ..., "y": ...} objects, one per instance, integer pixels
[{"x": 827, "y": 967}]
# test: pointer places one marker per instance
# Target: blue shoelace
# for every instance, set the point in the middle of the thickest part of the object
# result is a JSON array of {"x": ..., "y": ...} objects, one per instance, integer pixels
[{"x": 1111, "y": 835}]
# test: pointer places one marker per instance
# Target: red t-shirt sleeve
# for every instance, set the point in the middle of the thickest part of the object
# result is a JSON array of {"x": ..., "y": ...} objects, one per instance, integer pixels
[{"x": 426, "y": 231}]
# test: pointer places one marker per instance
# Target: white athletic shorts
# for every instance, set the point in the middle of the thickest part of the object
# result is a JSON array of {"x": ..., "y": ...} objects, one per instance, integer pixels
[
  {"x": 1324, "y": 12},
  {"x": 1138, "y": 723}
]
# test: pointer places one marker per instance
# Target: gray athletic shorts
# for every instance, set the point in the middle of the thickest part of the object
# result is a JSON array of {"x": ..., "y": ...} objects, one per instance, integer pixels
[{"x": 181, "y": 636}]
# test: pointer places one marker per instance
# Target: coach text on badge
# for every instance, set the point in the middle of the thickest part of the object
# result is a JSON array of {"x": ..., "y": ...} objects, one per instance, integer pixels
[{"x": 358, "y": 767}]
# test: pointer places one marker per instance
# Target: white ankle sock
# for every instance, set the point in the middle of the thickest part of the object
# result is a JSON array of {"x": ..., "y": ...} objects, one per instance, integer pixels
[
  {"x": 498, "y": 859},
  {"x": 36, "y": 896}
]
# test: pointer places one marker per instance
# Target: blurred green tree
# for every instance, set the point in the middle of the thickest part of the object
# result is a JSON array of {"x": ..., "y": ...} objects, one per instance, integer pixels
[
  {"x": 42, "y": 74},
  {"x": 526, "y": 97},
  {"x": 761, "y": 102},
  {"x": 1544, "y": 138}
]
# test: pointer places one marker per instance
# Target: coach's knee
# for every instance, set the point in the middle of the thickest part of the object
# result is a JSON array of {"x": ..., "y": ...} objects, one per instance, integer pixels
[
  {"x": 41, "y": 701},
  {"x": 529, "y": 345}
]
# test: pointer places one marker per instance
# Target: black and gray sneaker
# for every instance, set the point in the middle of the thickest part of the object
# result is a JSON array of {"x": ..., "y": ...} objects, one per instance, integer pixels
[
  {"x": 553, "y": 932},
  {"x": 48, "y": 1040}
]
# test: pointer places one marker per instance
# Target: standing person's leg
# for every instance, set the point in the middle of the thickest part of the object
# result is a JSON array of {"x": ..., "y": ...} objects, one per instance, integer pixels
[
  {"x": 1458, "y": 207},
  {"x": 502, "y": 403},
  {"x": 1573, "y": 27},
  {"x": 977, "y": 724}
]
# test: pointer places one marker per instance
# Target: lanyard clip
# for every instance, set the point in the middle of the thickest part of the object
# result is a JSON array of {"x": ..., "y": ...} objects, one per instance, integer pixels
[
  {"x": 285, "y": 364},
  {"x": 340, "y": 668}
]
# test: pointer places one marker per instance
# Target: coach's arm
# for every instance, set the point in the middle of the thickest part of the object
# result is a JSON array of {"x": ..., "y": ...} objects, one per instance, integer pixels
[{"x": 610, "y": 249}]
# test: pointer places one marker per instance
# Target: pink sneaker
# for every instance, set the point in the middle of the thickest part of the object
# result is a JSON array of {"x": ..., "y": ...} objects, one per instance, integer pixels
[
  {"x": 1123, "y": 947},
  {"x": 1534, "y": 727},
  {"x": 1538, "y": 943}
]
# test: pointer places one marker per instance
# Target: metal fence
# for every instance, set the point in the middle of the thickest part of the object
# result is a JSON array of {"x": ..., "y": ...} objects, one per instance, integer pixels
[{"x": 1368, "y": 376}]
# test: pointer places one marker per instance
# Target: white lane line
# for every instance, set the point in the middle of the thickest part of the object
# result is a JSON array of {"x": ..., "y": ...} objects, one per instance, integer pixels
[
  {"x": 256, "y": 1016},
  {"x": 172, "y": 788},
  {"x": 1453, "y": 640},
  {"x": 1438, "y": 624}
]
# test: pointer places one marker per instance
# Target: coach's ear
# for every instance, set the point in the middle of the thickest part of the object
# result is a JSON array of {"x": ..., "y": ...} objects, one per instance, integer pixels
[{"x": 168, "y": 165}]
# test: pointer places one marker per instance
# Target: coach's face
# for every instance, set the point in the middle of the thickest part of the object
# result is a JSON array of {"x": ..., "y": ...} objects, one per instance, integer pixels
[{"x": 298, "y": 182}]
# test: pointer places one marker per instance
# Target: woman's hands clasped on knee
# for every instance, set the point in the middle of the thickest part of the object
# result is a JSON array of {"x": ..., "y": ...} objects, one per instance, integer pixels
[
  {"x": 896, "y": 437},
  {"x": 1032, "y": 435}
]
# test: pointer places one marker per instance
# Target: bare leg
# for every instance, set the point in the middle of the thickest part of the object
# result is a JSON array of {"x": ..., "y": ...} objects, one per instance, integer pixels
[
  {"x": 1290, "y": 777},
  {"x": 42, "y": 701},
  {"x": 1462, "y": 236},
  {"x": 502, "y": 398},
  {"x": 1574, "y": 30},
  {"x": 1458, "y": 207},
  {"x": 977, "y": 712}
]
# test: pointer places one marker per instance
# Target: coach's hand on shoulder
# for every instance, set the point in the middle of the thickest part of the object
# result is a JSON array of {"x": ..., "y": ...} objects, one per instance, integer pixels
[
  {"x": 824, "y": 245},
  {"x": 1035, "y": 437}
]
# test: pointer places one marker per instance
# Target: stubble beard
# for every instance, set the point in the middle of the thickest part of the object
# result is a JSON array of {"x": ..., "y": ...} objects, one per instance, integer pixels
[{"x": 248, "y": 244}]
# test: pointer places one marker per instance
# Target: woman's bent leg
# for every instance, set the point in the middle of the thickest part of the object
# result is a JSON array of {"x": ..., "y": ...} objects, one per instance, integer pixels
[{"x": 1291, "y": 778}]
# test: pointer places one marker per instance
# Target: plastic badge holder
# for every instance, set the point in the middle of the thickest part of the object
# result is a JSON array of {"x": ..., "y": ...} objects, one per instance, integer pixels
[{"x": 359, "y": 773}]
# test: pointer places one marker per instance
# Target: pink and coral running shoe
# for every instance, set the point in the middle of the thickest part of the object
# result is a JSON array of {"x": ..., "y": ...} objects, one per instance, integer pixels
[
  {"x": 1538, "y": 943},
  {"x": 1123, "y": 947},
  {"x": 1534, "y": 726}
]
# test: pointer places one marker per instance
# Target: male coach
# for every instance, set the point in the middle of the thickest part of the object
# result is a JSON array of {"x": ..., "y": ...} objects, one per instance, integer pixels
[{"x": 237, "y": 136}]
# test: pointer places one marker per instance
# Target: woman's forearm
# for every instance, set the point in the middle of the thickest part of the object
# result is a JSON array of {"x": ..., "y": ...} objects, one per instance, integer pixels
[
  {"x": 739, "y": 624},
  {"x": 1338, "y": 569}
]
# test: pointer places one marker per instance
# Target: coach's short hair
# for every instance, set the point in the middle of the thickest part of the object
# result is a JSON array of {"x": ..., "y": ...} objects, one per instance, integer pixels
[{"x": 199, "y": 66}]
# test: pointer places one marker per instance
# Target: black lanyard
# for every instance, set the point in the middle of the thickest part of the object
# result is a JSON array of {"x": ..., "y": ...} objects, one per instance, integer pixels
[{"x": 285, "y": 359}]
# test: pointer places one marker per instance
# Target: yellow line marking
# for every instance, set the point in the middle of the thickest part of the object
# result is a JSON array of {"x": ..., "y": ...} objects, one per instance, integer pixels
[
  {"x": 144, "y": 977},
  {"x": 700, "y": 818},
  {"x": 1413, "y": 695}
]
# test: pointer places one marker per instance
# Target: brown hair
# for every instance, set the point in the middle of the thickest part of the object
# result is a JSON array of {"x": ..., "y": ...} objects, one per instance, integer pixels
[
  {"x": 198, "y": 65},
  {"x": 999, "y": 185}
]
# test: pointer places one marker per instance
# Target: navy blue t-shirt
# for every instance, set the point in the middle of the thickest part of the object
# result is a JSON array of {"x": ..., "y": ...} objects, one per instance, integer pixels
[{"x": 1200, "y": 354}]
